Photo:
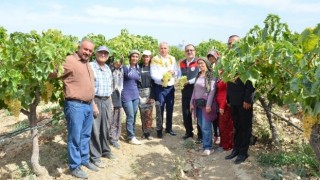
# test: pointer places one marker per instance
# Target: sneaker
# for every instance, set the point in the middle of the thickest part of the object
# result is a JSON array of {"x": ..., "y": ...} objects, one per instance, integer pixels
[
  {"x": 147, "y": 136},
  {"x": 115, "y": 144},
  {"x": 109, "y": 156},
  {"x": 79, "y": 173},
  {"x": 134, "y": 141},
  {"x": 216, "y": 140},
  {"x": 206, "y": 152},
  {"x": 91, "y": 166},
  {"x": 198, "y": 141},
  {"x": 186, "y": 136},
  {"x": 99, "y": 164}
]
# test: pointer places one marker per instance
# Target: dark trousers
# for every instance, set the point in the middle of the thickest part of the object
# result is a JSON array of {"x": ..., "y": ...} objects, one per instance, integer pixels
[
  {"x": 215, "y": 125},
  {"x": 242, "y": 122},
  {"x": 99, "y": 144},
  {"x": 187, "y": 117},
  {"x": 165, "y": 96}
]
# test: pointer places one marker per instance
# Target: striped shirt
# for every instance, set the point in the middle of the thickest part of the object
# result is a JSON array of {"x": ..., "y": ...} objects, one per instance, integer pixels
[{"x": 102, "y": 79}]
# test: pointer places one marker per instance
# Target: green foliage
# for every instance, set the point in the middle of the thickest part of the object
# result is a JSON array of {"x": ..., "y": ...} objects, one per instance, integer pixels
[
  {"x": 177, "y": 53},
  {"x": 203, "y": 48},
  {"x": 301, "y": 158},
  {"x": 125, "y": 42},
  {"x": 283, "y": 66},
  {"x": 26, "y": 61}
]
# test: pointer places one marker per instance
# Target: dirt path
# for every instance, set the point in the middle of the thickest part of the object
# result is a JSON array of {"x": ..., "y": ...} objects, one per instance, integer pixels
[{"x": 167, "y": 158}]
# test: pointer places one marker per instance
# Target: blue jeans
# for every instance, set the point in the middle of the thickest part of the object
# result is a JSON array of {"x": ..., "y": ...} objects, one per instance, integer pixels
[
  {"x": 206, "y": 129},
  {"x": 130, "y": 108},
  {"x": 79, "y": 123}
]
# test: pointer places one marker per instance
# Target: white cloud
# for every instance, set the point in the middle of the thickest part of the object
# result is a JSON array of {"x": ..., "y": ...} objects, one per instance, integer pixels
[
  {"x": 168, "y": 16},
  {"x": 284, "y": 5}
]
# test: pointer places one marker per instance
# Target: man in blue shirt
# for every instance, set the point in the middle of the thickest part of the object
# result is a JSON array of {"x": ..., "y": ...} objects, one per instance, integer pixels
[{"x": 102, "y": 108}]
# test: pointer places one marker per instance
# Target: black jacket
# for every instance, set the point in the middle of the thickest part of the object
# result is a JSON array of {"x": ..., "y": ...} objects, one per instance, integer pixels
[{"x": 238, "y": 92}]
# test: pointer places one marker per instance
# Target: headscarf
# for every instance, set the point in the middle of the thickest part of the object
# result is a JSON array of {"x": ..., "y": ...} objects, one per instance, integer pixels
[{"x": 208, "y": 75}]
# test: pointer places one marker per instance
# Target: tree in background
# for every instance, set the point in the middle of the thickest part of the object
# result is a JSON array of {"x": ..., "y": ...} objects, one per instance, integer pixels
[{"x": 27, "y": 59}]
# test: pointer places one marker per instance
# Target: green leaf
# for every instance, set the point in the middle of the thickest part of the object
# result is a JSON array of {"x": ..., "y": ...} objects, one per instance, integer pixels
[
  {"x": 293, "y": 108},
  {"x": 316, "y": 109}
]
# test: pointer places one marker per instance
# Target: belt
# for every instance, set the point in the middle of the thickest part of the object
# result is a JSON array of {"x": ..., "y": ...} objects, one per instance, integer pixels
[
  {"x": 102, "y": 97},
  {"x": 78, "y": 100}
]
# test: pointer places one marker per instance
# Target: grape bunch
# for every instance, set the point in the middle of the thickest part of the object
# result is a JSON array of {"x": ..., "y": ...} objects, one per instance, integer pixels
[
  {"x": 308, "y": 121},
  {"x": 166, "y": 78},
  {"x": 14, "y": 106},
  {"x": 183, "y": 80},
  {"x": 47, "y": 92}
]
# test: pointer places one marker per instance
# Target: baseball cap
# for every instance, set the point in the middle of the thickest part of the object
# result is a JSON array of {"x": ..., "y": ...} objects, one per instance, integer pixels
[
  {"x": 146, "y": 52},
  {"x": 102, "y": 48},
  {"x": 214, "y": 53},
  {"x": 133, "y": 52}
]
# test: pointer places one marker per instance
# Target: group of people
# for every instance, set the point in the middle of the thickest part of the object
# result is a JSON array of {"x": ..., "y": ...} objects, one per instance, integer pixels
[
  {"x": 95, "y": 94},
  {"x": 223, "y": 110}
]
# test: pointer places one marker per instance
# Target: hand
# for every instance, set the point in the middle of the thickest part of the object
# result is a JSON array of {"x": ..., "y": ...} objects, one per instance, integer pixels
[
  {"x": 246, "y": 105},
  {"x": 221, "y": 111},
  {"x": 53, "y": 75},
  {"x": 191, "y": 108},
  {"x": 150, "y": 101},
  {"x": 171, "y": 71},
  {"x": 95, "y": 111},
  {"x": 208, "y": 109}
]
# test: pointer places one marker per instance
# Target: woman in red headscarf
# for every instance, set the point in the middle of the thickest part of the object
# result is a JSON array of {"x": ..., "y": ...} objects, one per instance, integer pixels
[{"x": 225, "y": 121}]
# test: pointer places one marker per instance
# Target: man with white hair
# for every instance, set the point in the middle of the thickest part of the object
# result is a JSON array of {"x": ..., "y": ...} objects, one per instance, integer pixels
[{"x": 164, "y": 66}]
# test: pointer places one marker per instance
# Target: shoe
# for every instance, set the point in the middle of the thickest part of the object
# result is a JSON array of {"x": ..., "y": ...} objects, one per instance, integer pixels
[
  {"x": 240, "y": 159},
  {"x": 79, "y": 173},
  {"x": 91, "y": 166},
  {"x": 198, "y": 141},
  {"x": 216, "y": 140},
  {"x": 159, "y": 134},
  {"x": 233, "y": 154},
  {"x": 99, "y": 164},
  {"x": 206, "y": 152},
  {"x": 186, "y": 136},
  {"x": 115, "y": 144},
  {"x": 172, "y": 133},
  {"x": 109, "y": 156},
  {"x": 134, "y": 141},
  {"x": 147, "y": 136}
]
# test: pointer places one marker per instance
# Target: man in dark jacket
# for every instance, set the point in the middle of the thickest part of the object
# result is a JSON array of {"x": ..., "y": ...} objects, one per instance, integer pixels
[
  {"x": 240, "y": 98},
  {"x": 189, "y": 69}
]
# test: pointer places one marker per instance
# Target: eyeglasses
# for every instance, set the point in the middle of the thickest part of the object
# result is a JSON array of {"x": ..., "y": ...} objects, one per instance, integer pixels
[{"x": 191, "y": 50}]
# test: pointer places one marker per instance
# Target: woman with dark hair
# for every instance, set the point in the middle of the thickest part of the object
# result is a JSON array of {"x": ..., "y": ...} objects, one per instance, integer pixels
[
  {"x": 146, "y": 94},
  {"x": 224, "y": 121},
  {"x": 203, "y": 103},
  {"x": 130, "y": 94}
]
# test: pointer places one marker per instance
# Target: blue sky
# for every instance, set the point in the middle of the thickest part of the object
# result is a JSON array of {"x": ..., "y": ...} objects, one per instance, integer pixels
[{"x": 175, "y": 21}]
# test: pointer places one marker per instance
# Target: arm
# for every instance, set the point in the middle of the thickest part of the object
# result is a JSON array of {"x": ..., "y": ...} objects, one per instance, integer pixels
[
  {"x": 155, "y": 71},
  {"x": 192, "y": 81},
  {"x": 211, "y": 95},
  {"x": 249, "y": 94},
  {"x": 131, "y": 73}
]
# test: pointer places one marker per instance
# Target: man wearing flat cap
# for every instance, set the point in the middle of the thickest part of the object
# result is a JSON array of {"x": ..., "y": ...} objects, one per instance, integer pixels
[{"x": 102, "y": 105}]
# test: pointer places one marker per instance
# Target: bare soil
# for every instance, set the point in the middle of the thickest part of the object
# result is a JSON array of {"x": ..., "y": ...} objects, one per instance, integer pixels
[{"x": 167, "y": 158}]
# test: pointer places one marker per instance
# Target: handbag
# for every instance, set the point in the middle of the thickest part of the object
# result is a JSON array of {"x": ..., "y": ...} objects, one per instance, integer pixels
[{"x": 200, "y": 102}]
